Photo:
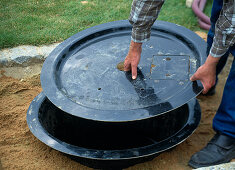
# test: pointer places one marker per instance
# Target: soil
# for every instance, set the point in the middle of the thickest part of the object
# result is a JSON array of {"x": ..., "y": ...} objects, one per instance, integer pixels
[{"x": 19, "y": 149}]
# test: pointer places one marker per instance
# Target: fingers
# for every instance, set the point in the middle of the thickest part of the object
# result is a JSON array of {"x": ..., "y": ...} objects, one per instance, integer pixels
[
  {"x": 130, "y": 66},
  {"x": 205, "y": 86},
  {"x": 133, "y": 58},
  {"x": 196, "y": 76},
  {"x": 127, "y": 66},
  {"x": 205, "y": 91},
  {"x": 134, "y": 71},
  {"x": 133, "y": 68},
  {"x": 193, "y": 78}
]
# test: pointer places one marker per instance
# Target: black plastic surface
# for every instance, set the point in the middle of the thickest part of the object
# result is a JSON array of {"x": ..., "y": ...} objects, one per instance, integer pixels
[
  {"x": 80, "y": 76},
  {"x": 98, "y": 142}
]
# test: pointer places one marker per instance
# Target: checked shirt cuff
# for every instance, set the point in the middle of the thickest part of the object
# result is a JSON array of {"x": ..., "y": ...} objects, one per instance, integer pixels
[
  {"x": 140, "y": 36},
  {"x": 217, "y": 51}
]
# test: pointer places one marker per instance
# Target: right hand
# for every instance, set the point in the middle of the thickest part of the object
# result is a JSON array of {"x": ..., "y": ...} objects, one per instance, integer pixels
[{"x": 133, "y": 58}]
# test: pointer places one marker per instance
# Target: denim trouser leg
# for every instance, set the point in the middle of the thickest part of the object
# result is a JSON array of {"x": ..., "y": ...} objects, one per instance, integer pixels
[{"x": 224, "y": 120}]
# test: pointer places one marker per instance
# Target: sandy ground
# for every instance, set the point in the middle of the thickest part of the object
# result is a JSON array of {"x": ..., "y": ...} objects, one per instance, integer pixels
[{"x": 19, "y": 149}]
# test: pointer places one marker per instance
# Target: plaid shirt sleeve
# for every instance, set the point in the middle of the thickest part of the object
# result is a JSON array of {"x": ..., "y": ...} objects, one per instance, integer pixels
[
  {"x": 143, "y": 15},
  {"x": 224, "y": 30}
]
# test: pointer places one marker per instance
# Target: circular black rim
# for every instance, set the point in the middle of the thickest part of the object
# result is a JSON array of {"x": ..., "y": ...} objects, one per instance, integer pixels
[{"x": 40, "y": 133}]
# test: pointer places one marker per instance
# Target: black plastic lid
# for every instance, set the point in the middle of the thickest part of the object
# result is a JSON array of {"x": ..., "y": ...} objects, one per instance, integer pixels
[{"x": 81, "y": 77}]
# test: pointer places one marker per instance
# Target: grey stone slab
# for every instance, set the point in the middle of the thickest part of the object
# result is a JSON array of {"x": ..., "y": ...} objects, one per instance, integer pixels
[
  {"x": 226, "y": 166},
  {"x": 25, "y": 53}
]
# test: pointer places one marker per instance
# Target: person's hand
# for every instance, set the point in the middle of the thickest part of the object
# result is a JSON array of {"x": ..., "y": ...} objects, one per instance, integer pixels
[
  {"x": 207, "y": 73},
  {"x": 133, "y": 58}
]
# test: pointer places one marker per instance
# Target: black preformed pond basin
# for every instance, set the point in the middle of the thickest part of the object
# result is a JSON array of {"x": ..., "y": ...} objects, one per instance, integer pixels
[
  {"x": 97, "y": 114},
  {"x": 110, "y": 144}
]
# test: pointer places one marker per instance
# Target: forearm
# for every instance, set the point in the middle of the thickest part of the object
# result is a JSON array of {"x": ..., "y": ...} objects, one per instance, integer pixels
[
  {"x": 143, "y": 15},
  {"x": 134, "y": 45},
  {"x": 212, "y": 61}
]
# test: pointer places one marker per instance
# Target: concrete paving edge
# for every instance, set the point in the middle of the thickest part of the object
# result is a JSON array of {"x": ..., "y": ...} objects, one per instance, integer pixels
[
  {"x": 226, "y": 166},
  {"x": 25, "y": 53}
]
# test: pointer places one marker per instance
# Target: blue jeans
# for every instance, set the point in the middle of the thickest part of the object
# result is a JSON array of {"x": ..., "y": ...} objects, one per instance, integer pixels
[{"x": 224, "y": 120}]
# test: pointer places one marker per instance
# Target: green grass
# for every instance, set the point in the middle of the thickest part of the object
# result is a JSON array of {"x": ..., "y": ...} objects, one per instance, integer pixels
[{"x": 39, "y": 22}]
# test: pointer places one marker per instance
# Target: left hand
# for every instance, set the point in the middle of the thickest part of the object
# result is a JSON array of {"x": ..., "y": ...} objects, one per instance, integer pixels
[{"x": 207, "y": 73}]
